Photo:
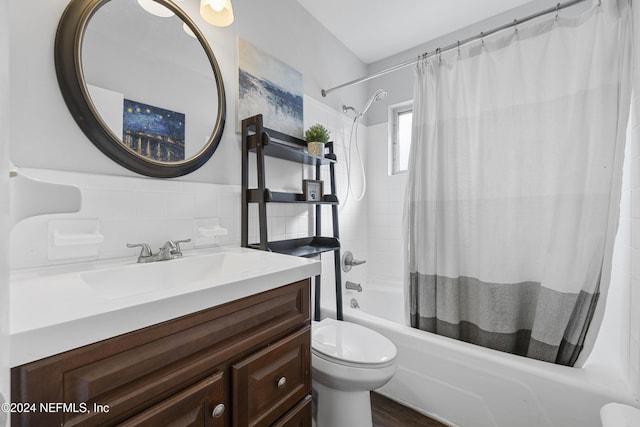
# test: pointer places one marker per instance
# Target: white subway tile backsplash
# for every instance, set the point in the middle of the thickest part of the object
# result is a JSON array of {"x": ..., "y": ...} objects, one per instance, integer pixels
[
  {"x": 117, "y": 233},
  {"x": 229, "y": 205},
  {"x": 180, "y": 205},
  {"x": 206, "y": 204},
  {"x": 108, "y": 203},
  {"x": 151, "y": 204},
  {"x": 278, "y": 227},
  {"x": 130, "y": 210}
]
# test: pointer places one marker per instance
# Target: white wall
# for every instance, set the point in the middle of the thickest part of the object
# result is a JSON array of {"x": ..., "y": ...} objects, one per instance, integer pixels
[
  {"x": 44, "y": 135},
  {"x": 47, "y": 143},
  {"x": 4, "y": 207}
]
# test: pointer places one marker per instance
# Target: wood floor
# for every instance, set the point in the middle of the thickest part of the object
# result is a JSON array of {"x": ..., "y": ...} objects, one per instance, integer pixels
[{"x": 387, "y": 413}]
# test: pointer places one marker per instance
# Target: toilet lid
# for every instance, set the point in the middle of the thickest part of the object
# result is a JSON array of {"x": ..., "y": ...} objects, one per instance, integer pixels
[{"x": 348, "y": 343}]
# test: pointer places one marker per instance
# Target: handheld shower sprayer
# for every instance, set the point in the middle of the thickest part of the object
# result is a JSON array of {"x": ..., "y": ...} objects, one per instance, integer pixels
[{"x": 379, "y": 95}]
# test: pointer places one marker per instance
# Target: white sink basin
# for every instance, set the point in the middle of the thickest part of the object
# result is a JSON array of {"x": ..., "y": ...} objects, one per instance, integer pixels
[
  {"x": 128, "y": 280},
  {"x": 59, "y": 308}
]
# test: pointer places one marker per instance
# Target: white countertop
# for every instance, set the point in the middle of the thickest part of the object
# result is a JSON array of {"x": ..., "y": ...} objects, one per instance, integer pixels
[{"x": 54, "y": 310}]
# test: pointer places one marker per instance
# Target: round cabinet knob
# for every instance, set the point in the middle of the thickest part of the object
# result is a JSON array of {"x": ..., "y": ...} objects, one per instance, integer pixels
[
  {"x": 282, "y": 382},
  {"x": 218, "y": 411}
]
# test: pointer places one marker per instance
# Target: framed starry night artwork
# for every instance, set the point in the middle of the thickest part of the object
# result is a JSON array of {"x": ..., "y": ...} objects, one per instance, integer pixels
[{"x": 153, "y": 132}]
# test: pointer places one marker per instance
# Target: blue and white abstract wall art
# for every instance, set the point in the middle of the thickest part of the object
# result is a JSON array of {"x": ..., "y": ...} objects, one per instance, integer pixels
[{"x": 270, "y": 87}]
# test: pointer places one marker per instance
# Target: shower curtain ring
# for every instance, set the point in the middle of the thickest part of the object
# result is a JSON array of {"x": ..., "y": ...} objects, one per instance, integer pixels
[
  {"x": 557, "y": 11},
  {"x": 515, "y": 26},
  {"x": 458, "y": 47},
  {"x": 482, "y": 37}
]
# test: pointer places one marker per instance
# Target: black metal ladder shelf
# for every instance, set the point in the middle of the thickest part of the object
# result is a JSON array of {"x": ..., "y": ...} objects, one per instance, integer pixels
[{"x": 268, "y": 142}]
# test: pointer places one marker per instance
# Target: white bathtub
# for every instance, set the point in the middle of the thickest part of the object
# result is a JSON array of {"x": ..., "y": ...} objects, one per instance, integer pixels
[{"x": 464, "y": 385}]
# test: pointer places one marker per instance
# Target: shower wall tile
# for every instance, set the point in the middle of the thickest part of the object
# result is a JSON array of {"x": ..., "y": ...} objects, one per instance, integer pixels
[
  {"x": 634, "y": 313},
  {"x": 635, "y": 263},
  {"x": 632, "y": 210},
  {"x": 635, "y": 233},
  {"x": 635, "y": 173},
  {"x": 623, "y": 238},
  {"x": 353, "y": 215},
  {"x": 386, "y": 206}
]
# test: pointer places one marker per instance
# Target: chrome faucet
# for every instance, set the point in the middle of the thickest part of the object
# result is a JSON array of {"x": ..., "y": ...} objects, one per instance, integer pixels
[
  {"x": 353, "y": 286},
  {"x": 170, "y": 250}
]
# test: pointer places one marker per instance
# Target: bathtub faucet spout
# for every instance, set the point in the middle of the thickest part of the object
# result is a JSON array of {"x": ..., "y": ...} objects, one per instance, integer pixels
[{"x": 353, "y": 286}]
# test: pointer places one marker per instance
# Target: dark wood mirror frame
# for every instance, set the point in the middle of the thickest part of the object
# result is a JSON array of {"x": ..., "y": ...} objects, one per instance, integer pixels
[{"x": 68, "y": 63}]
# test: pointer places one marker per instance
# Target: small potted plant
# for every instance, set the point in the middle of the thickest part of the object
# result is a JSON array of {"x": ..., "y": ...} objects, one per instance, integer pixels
[{"x": 316, "y": 136}]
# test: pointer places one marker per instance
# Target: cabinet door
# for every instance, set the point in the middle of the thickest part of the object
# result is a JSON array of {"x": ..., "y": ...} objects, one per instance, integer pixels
[
  {"x": 300, "y": 416},
  {"x": 269, "y": 383},
  {"x": 198, "y": 405}
]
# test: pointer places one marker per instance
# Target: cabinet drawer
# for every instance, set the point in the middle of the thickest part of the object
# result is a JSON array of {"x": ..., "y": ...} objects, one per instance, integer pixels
[
  {"x": 267, "y": 384},
  {"x": 300, "y": 416},
  {"x": 136, "y": 371},
  {"x": 198, "y": 405}
]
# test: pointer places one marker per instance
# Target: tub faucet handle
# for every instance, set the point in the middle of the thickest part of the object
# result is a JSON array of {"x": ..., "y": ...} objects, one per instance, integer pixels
[
  {"x": 178, "y": 251},
  {"x": 348, "y": 261}
]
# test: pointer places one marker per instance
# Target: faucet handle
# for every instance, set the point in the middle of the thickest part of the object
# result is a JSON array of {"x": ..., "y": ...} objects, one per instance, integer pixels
[
  {"x": 177, "y": 243},
  {"x": 144, "y": 252}
]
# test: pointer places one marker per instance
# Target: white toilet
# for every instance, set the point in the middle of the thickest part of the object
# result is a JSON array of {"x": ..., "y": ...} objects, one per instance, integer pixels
[
  {"x": 619, "y": 415},
  {"x": 347, "y": 362}
]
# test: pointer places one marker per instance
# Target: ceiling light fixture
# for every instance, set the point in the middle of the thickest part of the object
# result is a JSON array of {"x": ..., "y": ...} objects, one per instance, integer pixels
[
  {"x": 155, "y": 8},
  {"x": 217, "y": 12}
]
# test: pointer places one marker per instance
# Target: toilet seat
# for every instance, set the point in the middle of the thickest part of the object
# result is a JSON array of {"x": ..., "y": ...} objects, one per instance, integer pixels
[{"x": 349, "y": 344}]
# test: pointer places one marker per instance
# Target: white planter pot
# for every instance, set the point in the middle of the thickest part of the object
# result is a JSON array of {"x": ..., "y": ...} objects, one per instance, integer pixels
[{"x": 315, "y": 148}]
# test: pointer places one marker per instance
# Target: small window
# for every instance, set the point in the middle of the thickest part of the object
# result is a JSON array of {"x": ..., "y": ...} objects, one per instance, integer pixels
[{"x": 401, "y": 118}]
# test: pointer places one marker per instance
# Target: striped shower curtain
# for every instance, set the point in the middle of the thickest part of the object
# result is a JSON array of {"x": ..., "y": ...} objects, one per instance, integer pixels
[{"x": 514, "y": 184}]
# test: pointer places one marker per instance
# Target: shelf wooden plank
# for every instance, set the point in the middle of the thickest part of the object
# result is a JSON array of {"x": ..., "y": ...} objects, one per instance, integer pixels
[
  {"x": 282, "y": 151},
  {"x": 253, "y": 196},
  {"x": 303, "y": 247},
  {"x": 288, "y": 148}
]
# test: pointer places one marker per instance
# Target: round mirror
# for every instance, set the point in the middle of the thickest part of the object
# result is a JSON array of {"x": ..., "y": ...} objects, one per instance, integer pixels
[{"x": 142, "y": 83}]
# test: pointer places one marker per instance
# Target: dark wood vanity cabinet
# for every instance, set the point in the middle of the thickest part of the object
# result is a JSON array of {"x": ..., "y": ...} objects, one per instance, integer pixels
[{"x": 244, "y": 363}]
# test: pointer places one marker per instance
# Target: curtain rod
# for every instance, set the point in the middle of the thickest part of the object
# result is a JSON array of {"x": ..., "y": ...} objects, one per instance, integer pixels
[{"x": 455, "y": 45}]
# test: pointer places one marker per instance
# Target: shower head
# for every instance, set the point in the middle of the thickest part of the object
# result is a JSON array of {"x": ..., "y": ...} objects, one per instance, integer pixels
[{"x": 379, "y": 95}]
